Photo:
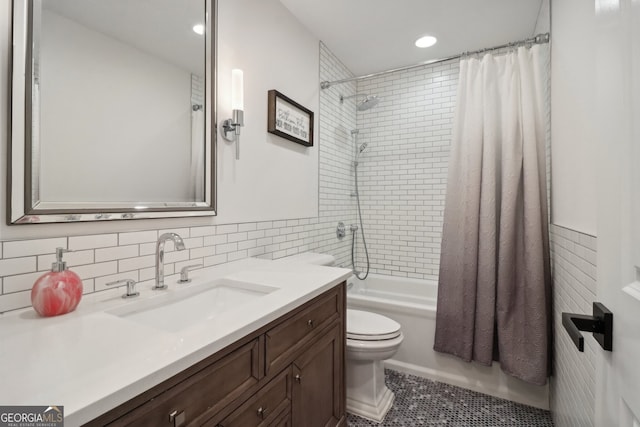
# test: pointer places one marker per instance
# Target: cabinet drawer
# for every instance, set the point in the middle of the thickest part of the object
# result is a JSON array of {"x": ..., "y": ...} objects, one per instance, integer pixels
[
  {"x": 284, "y": 340},
  {"x": 265, "y": 407},
  {"x": 201, "y": 395}
]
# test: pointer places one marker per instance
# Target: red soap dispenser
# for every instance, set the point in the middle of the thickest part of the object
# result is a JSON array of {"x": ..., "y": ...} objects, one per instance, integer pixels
[{"x": 58, "y": 291}]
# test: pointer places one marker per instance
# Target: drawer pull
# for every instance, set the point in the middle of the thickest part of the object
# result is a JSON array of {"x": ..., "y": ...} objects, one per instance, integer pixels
[
  {"x": 298, "y": 378},
  {"x": 310, "y": 323},
  {"x": 262, "y": 412},
  {"x": 177, "y": 419}
]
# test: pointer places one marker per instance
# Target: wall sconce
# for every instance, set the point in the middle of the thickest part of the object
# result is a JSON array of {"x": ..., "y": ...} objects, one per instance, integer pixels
[{"x": 230, "y": 129}]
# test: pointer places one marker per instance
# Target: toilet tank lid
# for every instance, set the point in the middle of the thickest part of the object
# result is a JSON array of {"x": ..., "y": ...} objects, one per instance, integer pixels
[{"x": 310, "y": 258}]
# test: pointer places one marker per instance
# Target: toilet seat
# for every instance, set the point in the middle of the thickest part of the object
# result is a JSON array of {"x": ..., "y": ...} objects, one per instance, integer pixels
[{"x": 366, "y": 326}]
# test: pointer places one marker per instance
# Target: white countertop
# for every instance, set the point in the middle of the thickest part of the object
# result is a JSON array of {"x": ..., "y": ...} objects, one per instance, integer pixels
[{"x": 91, "y": 361}]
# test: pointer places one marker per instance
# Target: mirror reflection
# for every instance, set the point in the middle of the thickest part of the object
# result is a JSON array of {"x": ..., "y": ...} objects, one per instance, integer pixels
[{"x": 117, "y": 117}]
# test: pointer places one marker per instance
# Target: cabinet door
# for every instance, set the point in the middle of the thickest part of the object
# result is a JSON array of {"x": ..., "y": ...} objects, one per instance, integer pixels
[
  {"x": 265, "y": 407},
  {"x": 318, "y": 392}
]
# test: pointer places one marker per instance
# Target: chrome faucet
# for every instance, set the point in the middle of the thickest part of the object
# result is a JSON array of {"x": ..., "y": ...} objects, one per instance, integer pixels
[{"x": 179, "y": 244}]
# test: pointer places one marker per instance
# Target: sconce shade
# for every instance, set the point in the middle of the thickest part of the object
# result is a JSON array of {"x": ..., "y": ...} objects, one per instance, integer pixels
[{"x": 237, "y": 90}]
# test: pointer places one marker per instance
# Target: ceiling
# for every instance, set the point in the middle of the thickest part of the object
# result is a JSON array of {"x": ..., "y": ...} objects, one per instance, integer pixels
[
  {"x": 163, "y": 28},
  {"x": 377, "y": 35}
]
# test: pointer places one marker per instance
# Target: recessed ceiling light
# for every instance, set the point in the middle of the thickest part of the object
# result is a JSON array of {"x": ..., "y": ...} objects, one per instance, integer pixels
[
  {"x": 426, "y": 41},
  {"x": 198, "y": 29}
]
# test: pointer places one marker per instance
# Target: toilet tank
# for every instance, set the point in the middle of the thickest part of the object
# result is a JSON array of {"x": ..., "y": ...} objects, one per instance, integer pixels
[{"x": 310, "y": 258}]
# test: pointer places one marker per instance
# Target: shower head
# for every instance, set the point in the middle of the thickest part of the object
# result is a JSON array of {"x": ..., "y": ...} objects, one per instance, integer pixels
[
  {"x": 368, "y": 103},
  {"x": 363, "y": 147}
]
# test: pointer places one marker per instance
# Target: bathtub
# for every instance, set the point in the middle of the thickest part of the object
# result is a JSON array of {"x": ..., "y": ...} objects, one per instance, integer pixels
[{"x": 412, "y": 303}]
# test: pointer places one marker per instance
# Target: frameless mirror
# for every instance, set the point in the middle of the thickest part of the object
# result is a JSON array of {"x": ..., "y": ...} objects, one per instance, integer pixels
[{"x": 112, "y": 110}]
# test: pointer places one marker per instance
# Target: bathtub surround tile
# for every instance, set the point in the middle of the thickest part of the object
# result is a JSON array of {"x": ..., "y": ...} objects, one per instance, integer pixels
[{"x": 423, "y": 402}]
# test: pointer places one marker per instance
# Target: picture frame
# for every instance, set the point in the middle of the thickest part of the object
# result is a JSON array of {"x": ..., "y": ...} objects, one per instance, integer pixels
[{"x": 288, "y": 119}]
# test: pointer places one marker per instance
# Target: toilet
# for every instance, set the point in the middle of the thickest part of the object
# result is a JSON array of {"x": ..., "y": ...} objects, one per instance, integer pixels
[{"x": 371, "y": 339}]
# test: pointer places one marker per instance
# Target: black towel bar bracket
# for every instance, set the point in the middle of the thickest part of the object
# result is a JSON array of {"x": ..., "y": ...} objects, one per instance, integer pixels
[{"x": 600, "y": 324}]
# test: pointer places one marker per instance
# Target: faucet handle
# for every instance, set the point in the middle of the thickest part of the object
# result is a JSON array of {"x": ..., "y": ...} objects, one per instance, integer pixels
[
  {"x": 131, "y": 287},
  {"x": 184, "y": 272}
]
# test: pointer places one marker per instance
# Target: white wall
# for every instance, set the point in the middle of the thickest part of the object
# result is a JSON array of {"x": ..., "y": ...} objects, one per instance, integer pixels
[
  {"x": 573, "y": 133},
  {"x": 275, "y": 178},
  {"x": 100, "y": 98}
]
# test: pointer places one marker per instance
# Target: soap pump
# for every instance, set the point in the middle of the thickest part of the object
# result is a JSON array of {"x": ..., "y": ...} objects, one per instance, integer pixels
[{"x": 58, "y": 291}]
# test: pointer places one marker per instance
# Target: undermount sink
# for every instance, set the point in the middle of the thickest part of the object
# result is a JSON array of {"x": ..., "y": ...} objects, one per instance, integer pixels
[{"x": 176, "y": 310}]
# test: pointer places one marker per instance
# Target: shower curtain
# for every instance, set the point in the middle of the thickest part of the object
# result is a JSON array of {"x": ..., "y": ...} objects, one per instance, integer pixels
[
  {"x": 196, "y": 183},
  {"x": 494, "y": 294}
]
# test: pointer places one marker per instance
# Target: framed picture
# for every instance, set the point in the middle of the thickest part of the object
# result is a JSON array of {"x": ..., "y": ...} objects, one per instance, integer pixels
[{"x": 290, "y": 120}]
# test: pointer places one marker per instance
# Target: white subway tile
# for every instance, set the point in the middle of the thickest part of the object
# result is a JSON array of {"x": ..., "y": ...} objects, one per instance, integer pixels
[
  {"x": 236, "y": 237},
  {"x": 202, "y": 252},
  {"x": 182, "y": 232},
  {"x": 100, "y": 283},
  {"x": 209, "y": 230},
  {"x": 147, "y": 274},
  {"x": 137, "y": 237},
  {"x": 226, "y": 248},
  {"x": 115, "y": 253},
  {"x": 227, "y": 229},
  {"x": 20, "y": 282},
  {"x": 176, "y": 256},
  {"x": 73, "y": 259},
  {"x": 147, "y": 249},
  {"x": 15, "y": 301},
  {"x": 215, "y": 260},
  {"x": 96, "y": 270},
  {"x": 136, "y": 263},
  {"x": 250, "y": 226},
  {"x": 77, "y": 243},
  {"x": 215, "y": 240},
  {"x": 19, "y": 248},
  {"x": 13, "y": 266}
]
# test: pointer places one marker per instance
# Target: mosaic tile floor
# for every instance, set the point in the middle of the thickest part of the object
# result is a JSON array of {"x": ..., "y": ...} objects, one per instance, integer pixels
[{"x": 422, "y": 402}]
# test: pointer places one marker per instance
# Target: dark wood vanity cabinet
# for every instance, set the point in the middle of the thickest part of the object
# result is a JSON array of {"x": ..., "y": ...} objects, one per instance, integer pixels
[{"x": 290, "y": 373}]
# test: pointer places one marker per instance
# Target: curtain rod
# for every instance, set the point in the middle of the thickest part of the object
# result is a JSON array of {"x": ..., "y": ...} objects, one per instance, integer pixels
[{"x": 538, "y": 39}]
